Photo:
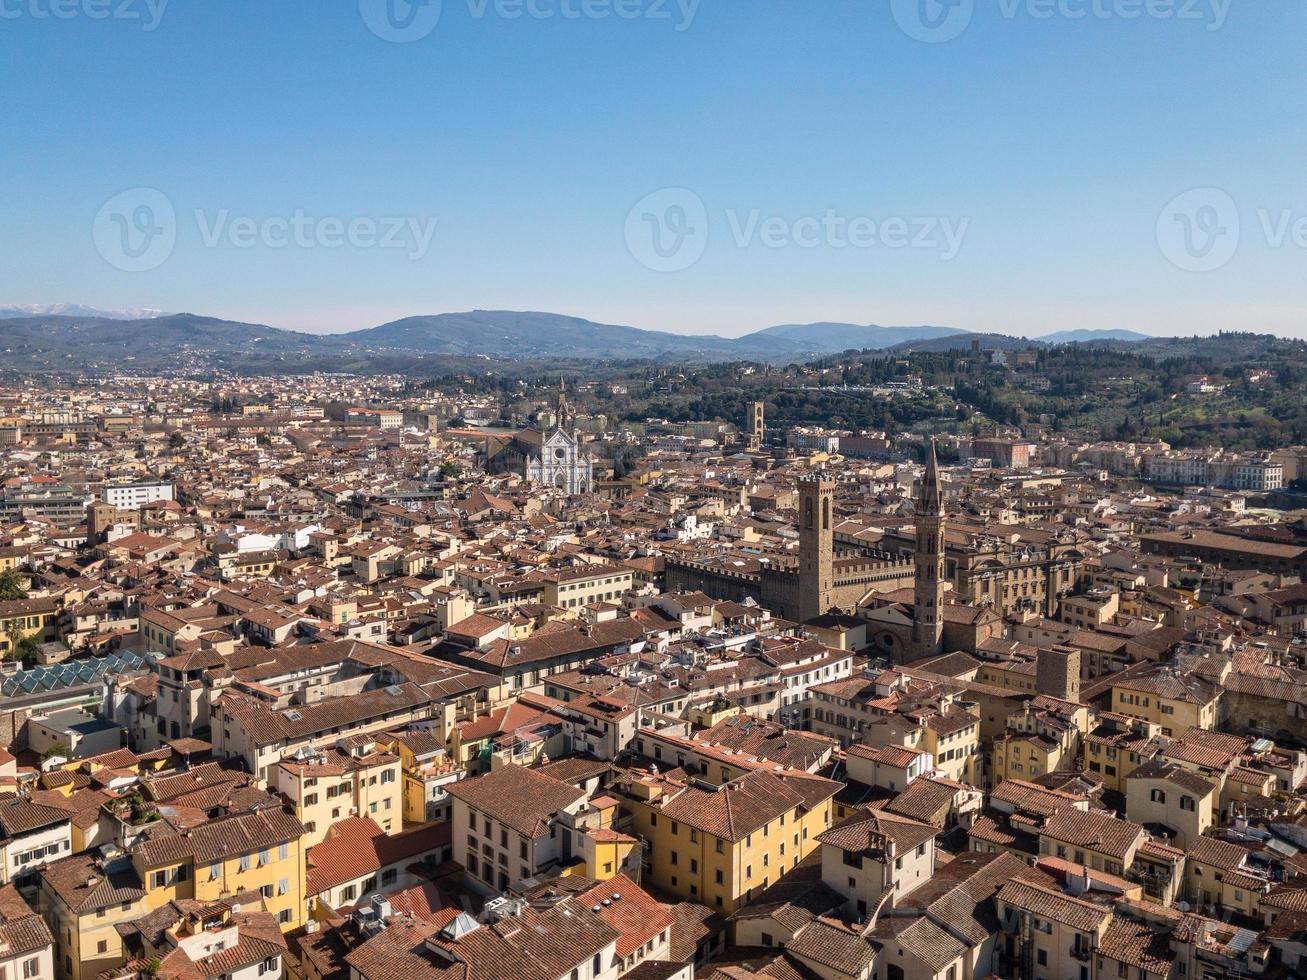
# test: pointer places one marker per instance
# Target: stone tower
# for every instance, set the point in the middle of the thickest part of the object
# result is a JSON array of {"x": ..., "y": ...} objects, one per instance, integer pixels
[
  {"x": 1057, "y": 673},
  {"x": 564, "y": 410},
  {"x": 816, "y": 547},
  {"x": 928, "y": 589},
  {"x": 757, "y": 425}
]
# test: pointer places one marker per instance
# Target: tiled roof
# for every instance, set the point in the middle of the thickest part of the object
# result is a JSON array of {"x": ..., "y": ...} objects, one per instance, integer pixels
[
  {"x": 1098, "y": 831},
  {"x": 523, "y": 799},
  {"x": 744, "y": 805},
  {"x": 863, "y": 831},
  {"x": 223, "y": 838},
  {"x": 1050, "y": 903},
  {"x": 636, "y": 915}
]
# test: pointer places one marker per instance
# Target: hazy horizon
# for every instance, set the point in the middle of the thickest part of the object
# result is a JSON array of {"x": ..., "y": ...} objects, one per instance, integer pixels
[{"x": 740, "y": 332}]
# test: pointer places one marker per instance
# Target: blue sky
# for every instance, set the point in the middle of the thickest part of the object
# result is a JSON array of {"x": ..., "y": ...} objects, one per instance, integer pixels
[{"x": 817, "y": 154}]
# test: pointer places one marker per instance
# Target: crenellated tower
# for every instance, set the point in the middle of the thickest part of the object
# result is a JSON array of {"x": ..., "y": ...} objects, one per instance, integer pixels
[{"x": 816, "y": 547}]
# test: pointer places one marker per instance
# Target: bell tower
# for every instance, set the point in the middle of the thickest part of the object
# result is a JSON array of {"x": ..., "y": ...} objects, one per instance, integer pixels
[
  {"x": 816, "y": 547},
  {"x": 757, "y": 425},
  {"x": 564, "y": 411},
  {"x": 928, "y": 588}
]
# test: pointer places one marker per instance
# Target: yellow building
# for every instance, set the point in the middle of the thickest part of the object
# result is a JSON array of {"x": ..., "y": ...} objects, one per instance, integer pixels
[
  {"x": 261, "y": 851},
  {"x": 720, "y": 846},
  {"x": 1096, "y": 840},
  {"x": 1116, "y": 745},
  {"x": 82, "y": 900},
  {"x": 23, "y": 618},
  {"x": 1218, "y": 875},
  {"x": 1173, "y": 701},
  {"x": 952, "y": 736},
  {"x": 354, "y": 779},
  {"x": 602, "y": 850},
  {"x": 1043, "y": 737},
  {"x": 571, "y": 588},
  {"x": 1172, "y": 797},
  {"x": 427, "y": 768},
  {"x": 1018, "y": 756}
]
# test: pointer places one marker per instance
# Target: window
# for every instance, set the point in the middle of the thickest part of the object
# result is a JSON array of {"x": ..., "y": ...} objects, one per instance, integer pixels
[
  {"x": 1157, "y": 796},
  {"x": 102, "y": 946},
  {"x": 215, "y": 870},
  {"x": 1186, "y": 803},
  {"x": 245, "y": 862},
  {"x": 283, "y": 886},
  {"x": 283, "y": 852}
]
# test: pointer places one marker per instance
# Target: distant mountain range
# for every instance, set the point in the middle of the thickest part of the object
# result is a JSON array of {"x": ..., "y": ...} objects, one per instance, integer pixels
[
  {"x": 75, "y": 309},
  {"x": 59, "y": 336}
]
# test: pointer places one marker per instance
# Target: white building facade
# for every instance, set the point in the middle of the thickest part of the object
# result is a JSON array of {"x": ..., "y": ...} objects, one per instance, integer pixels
[{"x": 562, "y": 464}]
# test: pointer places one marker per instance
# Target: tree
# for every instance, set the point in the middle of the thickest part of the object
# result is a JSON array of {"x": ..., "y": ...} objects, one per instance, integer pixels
[
  {"x": 176, "y": 441},
  {"x": 11, "y": 586},
  {"x": 21, "y": 647}
]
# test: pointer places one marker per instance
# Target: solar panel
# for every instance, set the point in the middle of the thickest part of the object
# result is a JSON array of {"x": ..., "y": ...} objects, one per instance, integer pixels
[{"x": 1243, "y": 939}]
